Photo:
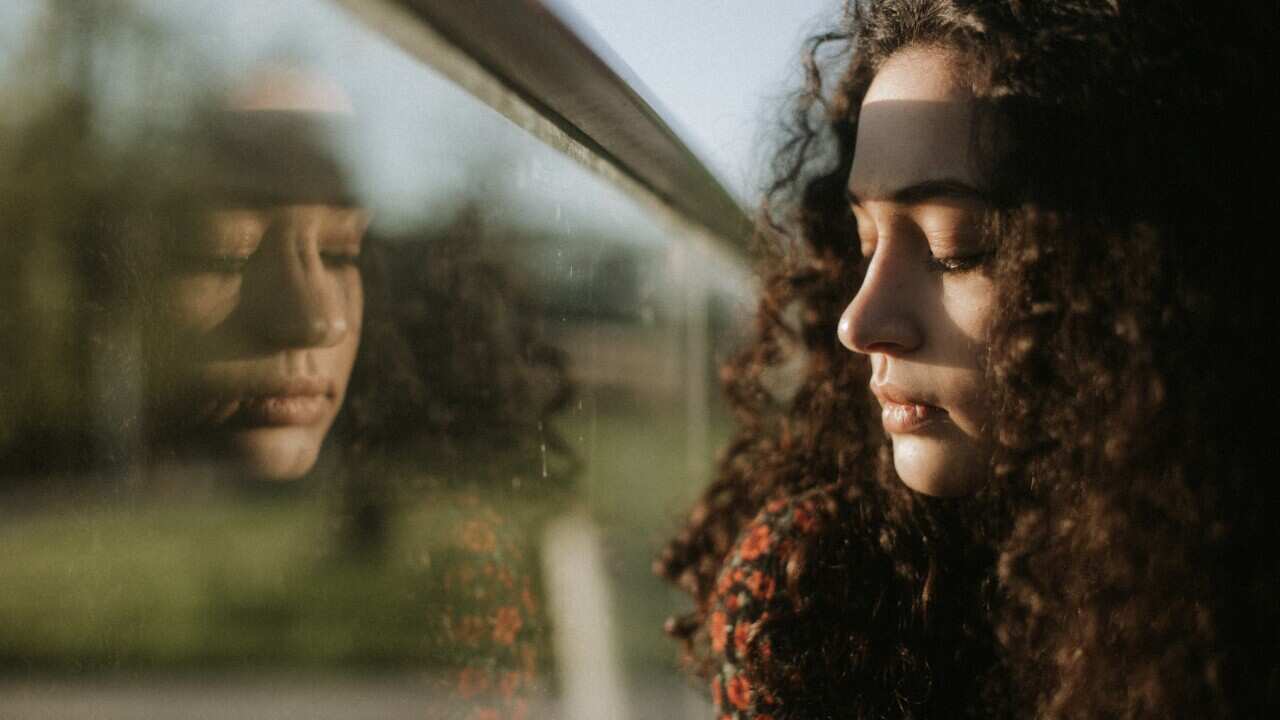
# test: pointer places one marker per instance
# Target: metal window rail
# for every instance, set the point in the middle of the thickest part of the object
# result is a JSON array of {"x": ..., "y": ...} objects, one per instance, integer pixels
[{"x": 528, "y": 62}]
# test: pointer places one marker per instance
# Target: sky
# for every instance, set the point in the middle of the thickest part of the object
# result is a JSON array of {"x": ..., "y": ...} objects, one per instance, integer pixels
[{"x": 718, "y": 68}]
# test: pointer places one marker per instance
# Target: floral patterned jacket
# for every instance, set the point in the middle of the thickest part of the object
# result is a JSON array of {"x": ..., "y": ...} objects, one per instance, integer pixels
[
  {"x": 749, "y": 592},
  {"x": 489, "y": 631}
]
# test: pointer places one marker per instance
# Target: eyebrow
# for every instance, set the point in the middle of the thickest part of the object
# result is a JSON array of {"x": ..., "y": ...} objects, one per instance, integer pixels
[{"x": 926, "y": 190}]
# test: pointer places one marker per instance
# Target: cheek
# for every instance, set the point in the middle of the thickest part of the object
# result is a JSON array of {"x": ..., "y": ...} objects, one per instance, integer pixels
[
  {"x": 354, "y": 291},
  {"x": 970, "y": 309},
  {"x": 202, "y": 303},
  {"x": 353, "y": 294},
  {"x": 970, "y": 303}
]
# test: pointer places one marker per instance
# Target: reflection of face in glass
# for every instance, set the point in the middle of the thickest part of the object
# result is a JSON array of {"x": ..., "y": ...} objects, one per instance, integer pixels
[
  {"x": 923, "y": 310},
  {"x": 266, "y": 312},
  {"x": 262, "y": 310}
]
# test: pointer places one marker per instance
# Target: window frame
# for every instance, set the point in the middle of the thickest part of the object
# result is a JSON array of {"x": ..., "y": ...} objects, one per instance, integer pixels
[{"x": 534, "y": 63}]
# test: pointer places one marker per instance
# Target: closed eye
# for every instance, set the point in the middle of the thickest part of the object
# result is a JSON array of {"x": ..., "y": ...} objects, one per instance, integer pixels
[
  {"x": 866, "y": 233},
  {"x": 340, "y": 259},
  {"x": 210, "y": 263},
  {"x": 958, "y": 263}
]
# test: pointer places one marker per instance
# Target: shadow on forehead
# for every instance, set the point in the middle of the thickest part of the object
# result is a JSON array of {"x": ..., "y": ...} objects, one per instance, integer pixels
[
  {"x": 1079, "y": 158},
  {"x": 275, "y": 138},
  {"x": 278, "y": 157},
  {"x": 905, "y": 143},
  {"x": 290, "y": 87}
]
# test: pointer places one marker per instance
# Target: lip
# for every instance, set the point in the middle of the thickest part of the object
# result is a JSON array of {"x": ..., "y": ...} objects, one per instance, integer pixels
[
  {"x": 282, "y": 410},
  {"x": 903, "y": 412},
  {"x": 283, "y": 403}
]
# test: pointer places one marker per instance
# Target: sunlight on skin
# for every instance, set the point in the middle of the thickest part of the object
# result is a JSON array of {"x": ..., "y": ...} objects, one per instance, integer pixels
[{"x": 923, "y": 312}]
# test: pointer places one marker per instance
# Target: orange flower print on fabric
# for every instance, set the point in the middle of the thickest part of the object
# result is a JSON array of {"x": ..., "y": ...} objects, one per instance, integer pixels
[
  {"x": 741, "y": 638},
  {"x": 472, "y": 630},
  {"x": 506, "y": 625},
  {"x": 748, "y": 592},
  {"x": 761, "y": 585},
  {"x": 478, "y": 536},
  {"x": 506, "y": 578},
  {"x": 465, "y": 577},
  {"x": 471, "y": 682},
  {"x": 719, "y": 631},
  {"x": 804, "y": 519},
  {"x": 724, "y": 584},
  {"x": 486, "y": 713},
  {"x": 510, "y": 684},
  {"x": 739, "y": 692},
  {"x": 758, "y": 542},
  {"x": 528, "y": 660}
]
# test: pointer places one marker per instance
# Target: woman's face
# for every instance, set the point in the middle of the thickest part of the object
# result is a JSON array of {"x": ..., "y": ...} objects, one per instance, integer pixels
[
  {"x": 260, "y": 312},
  {"x": 923, "y": 311},
  {"x": 264, "y": 313}
]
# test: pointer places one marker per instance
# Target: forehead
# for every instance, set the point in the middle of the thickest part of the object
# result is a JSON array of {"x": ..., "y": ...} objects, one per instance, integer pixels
[
  {"x": 916, "y": 124},
  {"x": 290, "y": 89},
  {"x": 278, "y": 139}
]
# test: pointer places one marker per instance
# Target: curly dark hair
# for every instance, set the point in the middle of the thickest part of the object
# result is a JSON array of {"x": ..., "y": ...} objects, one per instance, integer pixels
[
  {"x": 1118, "y": 562},
  {"x": 452, "y": 348},
  {"x": 453, "y": 385}
]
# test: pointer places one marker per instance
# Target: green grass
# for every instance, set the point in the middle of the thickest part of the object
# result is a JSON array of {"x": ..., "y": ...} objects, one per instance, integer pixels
[
  {"x": 229, "y": 582},
  {"x": 222, "y": 583}
]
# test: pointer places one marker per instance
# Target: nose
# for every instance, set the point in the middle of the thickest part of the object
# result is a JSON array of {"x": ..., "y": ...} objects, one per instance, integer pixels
[
  {"x": 303, "y": 304},
  {"x": 881, "y": 318}
]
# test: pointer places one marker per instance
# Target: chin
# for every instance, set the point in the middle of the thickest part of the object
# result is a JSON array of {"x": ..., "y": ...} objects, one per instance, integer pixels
[
  {"x": 278, "y": 454},
  {"x": 934, "y": 466}
]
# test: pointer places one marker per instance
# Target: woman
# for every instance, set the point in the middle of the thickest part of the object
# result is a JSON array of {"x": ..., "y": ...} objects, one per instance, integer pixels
[{"x": 1028, "y": 230}]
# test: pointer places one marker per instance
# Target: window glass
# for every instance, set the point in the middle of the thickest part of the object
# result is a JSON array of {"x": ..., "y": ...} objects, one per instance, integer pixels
[{"x": 326, "y": 390}]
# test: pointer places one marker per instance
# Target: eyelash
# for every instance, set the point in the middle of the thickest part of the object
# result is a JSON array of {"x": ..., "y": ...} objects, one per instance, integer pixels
[
  {"x": 235, "y": 264},
  {"x": 215, "y": 264},
  {"x": 958, "y": 264},
  {"x": 341, "y": 260},
  {"x": 955, "y": 264}
]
